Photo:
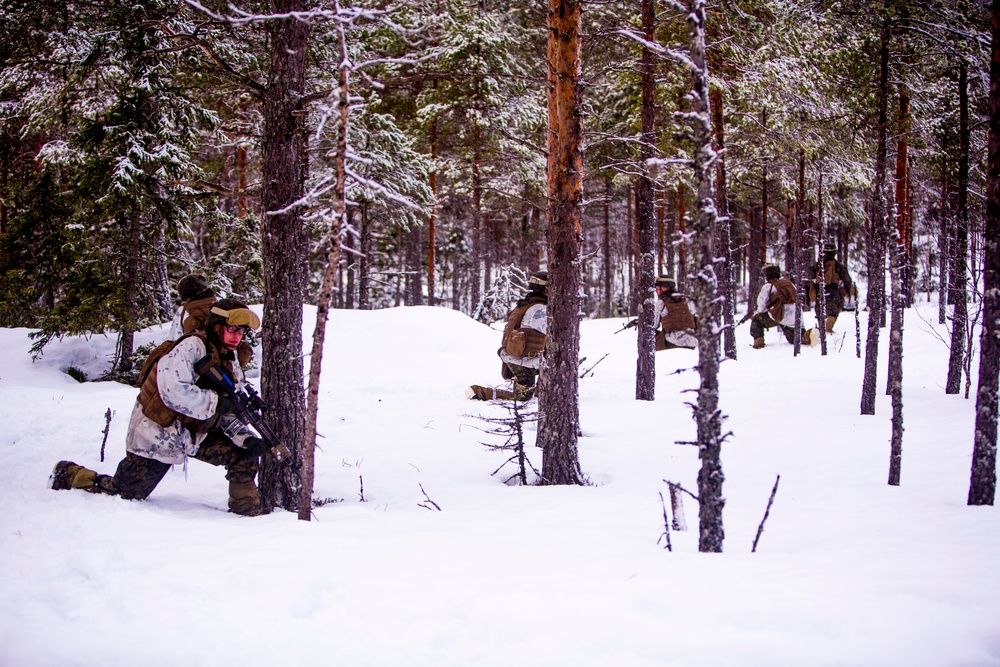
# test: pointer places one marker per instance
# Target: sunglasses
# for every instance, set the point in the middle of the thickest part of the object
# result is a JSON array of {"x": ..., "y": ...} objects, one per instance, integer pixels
[{"x": 232, "y": 328}]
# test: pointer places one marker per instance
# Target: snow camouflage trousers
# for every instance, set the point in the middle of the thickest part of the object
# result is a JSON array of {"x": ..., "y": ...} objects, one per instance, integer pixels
[
  {"x": 137, "y": 476},
  {"x": 763, "y": 321},
  {"x": 524, "y": 379}
]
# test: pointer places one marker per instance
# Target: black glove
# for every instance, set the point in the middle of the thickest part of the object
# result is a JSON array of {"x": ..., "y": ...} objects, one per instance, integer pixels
[{"x": 255, "y": 446}]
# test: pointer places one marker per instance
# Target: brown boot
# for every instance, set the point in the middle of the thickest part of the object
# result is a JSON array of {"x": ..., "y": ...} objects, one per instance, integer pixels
[
  {"x": 244, "y": 498},
  {"x": 830, "y": 321},
  {"x": 479, "y": 393},
  {"x": 69, "y": 475},
  {"x": 807, "y": 337},
  {"x": 758, "y": 343}
]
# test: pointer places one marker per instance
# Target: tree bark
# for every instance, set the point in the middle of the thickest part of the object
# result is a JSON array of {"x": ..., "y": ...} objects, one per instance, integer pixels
[
  {"x": 559, "y": 400},
  {"x": 284, "y": 250},
  {"x": 904, "y": 219},
  {"x": 796, "y": 260},
  {"x": 727, "y": 277},
  {"x": 876, "y": 232},
  {"x": 959, "y": 275},
  {"x": 645, "y": 372},
  {"x": 982, "y": 486},
  {"x": 898, "y": 302},
  {"x": 606, "y": 248},
  {"x": 705, "y": 290},
  {"x": 326, "y": 290}
]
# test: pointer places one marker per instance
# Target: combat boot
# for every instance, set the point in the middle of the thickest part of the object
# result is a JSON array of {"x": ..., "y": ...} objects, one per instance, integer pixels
[
  {"x": 69, "y": 475},
  {"x": 244, "y": 498},
  {"x": 808, "y": 337},
  {"x": 758, "y": 343},
  {"x": 830, "y": 321},
  {"x": 480, "y": 393}
]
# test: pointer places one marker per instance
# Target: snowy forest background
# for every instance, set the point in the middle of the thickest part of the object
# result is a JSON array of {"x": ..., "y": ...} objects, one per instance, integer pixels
[
  {"x": 132, "y": 137},
  {"x": 370, "y": 155}
]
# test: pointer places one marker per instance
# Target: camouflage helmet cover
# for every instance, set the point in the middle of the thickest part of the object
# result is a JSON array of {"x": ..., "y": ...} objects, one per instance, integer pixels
[
  {"x": 231, "y": 311},
  {"x": 665, "y": 281},
  {"x": 771, "y": 271}
]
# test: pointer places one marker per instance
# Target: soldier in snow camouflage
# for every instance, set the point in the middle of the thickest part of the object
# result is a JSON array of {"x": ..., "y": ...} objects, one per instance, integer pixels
[
  {"x": 176, "y": 417},
  {"x": 522, "y": 345}
]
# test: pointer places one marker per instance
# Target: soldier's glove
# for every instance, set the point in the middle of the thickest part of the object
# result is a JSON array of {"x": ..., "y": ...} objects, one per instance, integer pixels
[{"x": 255, "y": 446}]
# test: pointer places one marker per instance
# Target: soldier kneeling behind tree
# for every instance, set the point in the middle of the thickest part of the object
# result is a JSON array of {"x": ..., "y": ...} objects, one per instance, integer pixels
[
  {"x": 673, "y": 313},
  {"x": 776, "y": 308},
  {"x": 176, "y": 416},
  {"x": 522, "y": 345}
]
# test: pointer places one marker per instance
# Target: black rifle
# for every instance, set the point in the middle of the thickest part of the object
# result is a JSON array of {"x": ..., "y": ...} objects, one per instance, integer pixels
[
  {"x": 248, "y": 406},
  {"x": 629, "y": 325}
]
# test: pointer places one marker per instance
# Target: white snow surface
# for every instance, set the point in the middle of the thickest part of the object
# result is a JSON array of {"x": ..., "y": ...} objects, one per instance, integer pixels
[{"x": 849, "y": 571}]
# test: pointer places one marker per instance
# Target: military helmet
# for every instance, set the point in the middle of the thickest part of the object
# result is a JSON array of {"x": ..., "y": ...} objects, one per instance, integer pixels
[
  {"x": 771, "y": 271},
  {"x": 232, "y": 312},
  {"x": 539, "y": 281},
  {"x": 191, "y": 286},
  {"x": 665, "y": 281},
  {"x": 829, "y": 248}
]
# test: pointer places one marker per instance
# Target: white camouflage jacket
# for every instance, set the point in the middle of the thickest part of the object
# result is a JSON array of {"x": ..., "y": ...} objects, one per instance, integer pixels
[
  {"x": 536, "y": 317},
  {"x": 175, "y": 379}
]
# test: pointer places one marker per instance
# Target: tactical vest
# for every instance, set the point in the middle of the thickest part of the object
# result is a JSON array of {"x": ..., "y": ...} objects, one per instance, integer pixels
[
  {"x": 830, "y": 275},
  {"x": 525, "y": 342},
  {"x": 153, "y": 407},
  {"x": 784, "y": 294},
  {"x": 678, "y": 316}
]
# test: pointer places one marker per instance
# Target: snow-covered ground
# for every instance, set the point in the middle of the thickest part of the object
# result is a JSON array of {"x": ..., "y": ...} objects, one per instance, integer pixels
[{"x": 848, "y": 572}]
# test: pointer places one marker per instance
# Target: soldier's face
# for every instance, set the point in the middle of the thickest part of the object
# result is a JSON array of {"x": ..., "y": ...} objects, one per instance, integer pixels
[{"x": 230, "y": 336}]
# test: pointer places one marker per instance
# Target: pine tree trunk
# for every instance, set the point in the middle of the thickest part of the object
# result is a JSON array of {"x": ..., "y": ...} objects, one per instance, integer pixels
[
  {"x": 560, "y": 399},
  {"x": 645, "y": 372},
  {"x": 727, "y": 275},
  {"x": 876, "y": 232},
  {"x": 902, "y": 187},
  {"x": 982, "y": 486},
  {"x": 414, "y": 269},
  {"x": 944, "y": 247},
  {"x": 432, "y": 225},
  {"x": 351, "y": 284},
  {"x": 364, "y": 261},
  {"x": 606, "y": 249},
  {"x": 705, "y": 290},
  {"x": 284, "y": 251},
  {"x": 476, "y": 275},
  {"x": 896, "y": 260},
  {"x": 323, "y": 300},
  {"x": 959, "y": 275},
  {"x": 796, "y": 263}
]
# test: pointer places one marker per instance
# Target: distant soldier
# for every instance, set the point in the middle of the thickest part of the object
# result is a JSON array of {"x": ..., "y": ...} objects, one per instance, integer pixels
[
  {"x": 674, "y": 316},
  {"x": 776, "y": 308},
  {"x": 522, "y": 344},
  {"x": 837, "y": 284}
]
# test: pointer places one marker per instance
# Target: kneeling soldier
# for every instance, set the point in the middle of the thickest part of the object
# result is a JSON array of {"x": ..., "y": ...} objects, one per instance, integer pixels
[{"x": 176, "y": 416}]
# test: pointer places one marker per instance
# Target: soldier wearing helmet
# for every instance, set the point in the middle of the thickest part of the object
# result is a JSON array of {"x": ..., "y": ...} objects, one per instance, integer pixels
[{"x": 176, "y": 417}]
